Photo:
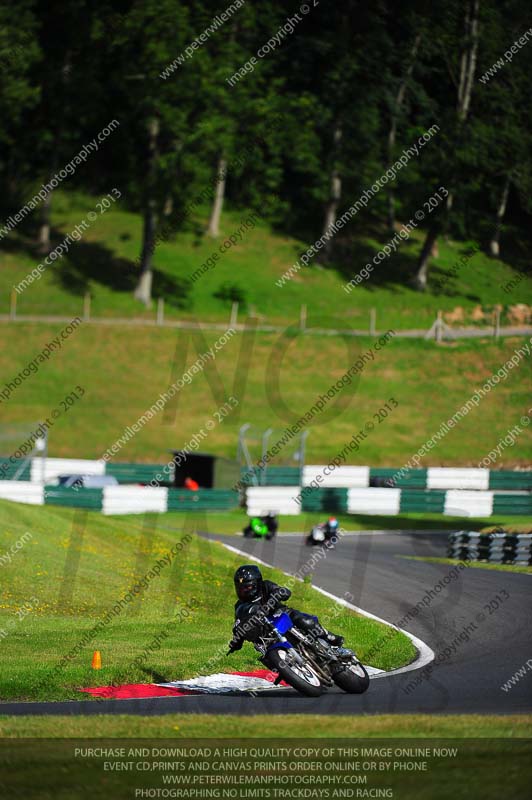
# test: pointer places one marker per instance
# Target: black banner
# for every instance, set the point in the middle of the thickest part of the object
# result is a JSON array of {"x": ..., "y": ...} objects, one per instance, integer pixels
[{"x": 284, "y": 769}]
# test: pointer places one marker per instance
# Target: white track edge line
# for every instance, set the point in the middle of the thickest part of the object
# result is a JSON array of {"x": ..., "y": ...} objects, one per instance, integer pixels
[{"x": 425, "y": 653}]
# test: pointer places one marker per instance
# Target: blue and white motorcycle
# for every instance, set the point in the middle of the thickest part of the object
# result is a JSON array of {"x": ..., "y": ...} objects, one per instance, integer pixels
[{"x": 307, "y": 663}]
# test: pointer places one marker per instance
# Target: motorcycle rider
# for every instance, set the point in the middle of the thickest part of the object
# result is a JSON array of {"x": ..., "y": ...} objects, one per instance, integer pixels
[
  {"x": 257, "y": 596},
  {"x": 325, "y": 533},
  {"x": 331, "y": 528},
  {"x": 266, "y": 525}
]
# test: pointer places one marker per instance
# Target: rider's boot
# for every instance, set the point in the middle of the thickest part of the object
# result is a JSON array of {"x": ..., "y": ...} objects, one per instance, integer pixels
[
  {"x": 333, "y": 639},
  {"x": 309, "y": 624}
]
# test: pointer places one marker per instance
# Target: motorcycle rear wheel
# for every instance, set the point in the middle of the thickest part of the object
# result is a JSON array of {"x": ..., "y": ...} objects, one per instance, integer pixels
[{"x": 300, "y": 677}]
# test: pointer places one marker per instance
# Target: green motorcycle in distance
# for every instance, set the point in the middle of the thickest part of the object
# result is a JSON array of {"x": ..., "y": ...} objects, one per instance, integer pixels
[{"x": 264, "y": 527}]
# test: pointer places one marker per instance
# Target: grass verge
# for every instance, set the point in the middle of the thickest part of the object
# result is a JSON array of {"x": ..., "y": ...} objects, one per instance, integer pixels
[
  {"x": 76, "y": 568},
  {"x": 232, "y": 522},
  {"x": 276, "y": 379},
  {"x": 475, "y": 564},
  {"x": 263, "y": 726}
]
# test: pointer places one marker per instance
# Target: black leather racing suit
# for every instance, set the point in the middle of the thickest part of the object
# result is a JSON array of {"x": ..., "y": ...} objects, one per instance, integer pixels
[{"x": 272, "y": 597}]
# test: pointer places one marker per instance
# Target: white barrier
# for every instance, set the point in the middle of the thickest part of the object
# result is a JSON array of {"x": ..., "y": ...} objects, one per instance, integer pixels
[
  {"x": 64, "y": 466},
  {"x": 468, "y": 504},
  {"x": 341, "y": 477},
  {"x": 279, "y": 499},
  {"x": 134, "y": 499},
  {"x": 373, "y": 501},
  {"x": 451, "y": 478},
  {"x": 22, "y": 492}
]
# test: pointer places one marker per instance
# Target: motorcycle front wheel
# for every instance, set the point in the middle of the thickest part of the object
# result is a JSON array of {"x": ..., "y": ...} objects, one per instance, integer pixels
[
  {"x": 352, "y": 678},
  {"x": 300, "y": 676}
]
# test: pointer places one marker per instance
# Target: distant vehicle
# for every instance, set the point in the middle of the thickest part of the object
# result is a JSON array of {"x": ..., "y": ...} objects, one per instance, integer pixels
[
  {"x": 86, "y": 481},
  {"x": 264, "y": 527},
  {"x": 316, "y": 535},
  {"x": 323, "y": 533}
]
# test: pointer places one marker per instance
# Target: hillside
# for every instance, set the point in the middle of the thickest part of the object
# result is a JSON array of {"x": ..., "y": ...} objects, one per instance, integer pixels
[
  {"x": 124, "y": 370},
  {"x": 105, "y": 263},
  {"x": 275, "y": 377}
]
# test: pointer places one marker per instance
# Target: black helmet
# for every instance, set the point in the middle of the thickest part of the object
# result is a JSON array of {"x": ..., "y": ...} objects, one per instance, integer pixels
[{"x": 248, "y": 583}]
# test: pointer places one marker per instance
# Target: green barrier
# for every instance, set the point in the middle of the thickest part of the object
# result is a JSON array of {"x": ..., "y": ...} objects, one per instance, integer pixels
[
  {"x": 510, "y": 479},
  {"x": 202, "y": 500},
  {"x": 512, "y": 504},
  {"x": 9, "y": 470},
  {"x": 323, "y": 499},
  {"x": 138, "y": 473},
  {"x": 431, "y": 501},
  {"x": 75, "y": 498},
  {"x": 283, "y": 476},
  {"x": 272, "y": 476},
  {"x": 413, "y": 479}
]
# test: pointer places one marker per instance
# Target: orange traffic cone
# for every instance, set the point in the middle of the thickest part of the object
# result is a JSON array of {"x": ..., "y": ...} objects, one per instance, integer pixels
[{"x": 97, "y": 660}]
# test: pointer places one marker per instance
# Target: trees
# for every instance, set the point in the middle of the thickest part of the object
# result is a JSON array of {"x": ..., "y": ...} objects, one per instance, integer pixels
[
  {"x": 485, "y": 147},
  {"x": 19, "y": 97},
  {"x": 504, "y": 128},
  {"x": 152, "y": 111},
  {"x": 458, "y": 132},
  {"x": 396, "y": 111},
  {"x": 299, "y": 137}
]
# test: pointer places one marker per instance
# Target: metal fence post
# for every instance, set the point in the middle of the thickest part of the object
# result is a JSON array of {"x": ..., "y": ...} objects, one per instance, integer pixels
[
  {"x": 372, "y": 321},
  {"x": 439, "y": 327},
  {"x": 497, "y": 323},
  {"x": 87, "y": 307},
  {"x": 160, "y": 311},
  {"x": 234, "y": 315}
]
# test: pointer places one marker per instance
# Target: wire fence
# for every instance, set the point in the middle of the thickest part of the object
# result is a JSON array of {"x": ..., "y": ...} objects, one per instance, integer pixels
[{"x": 439, "y": 330}]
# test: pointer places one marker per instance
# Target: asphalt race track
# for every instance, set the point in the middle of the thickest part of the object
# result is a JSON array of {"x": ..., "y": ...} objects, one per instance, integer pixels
[{"x": 495, "y": 608}]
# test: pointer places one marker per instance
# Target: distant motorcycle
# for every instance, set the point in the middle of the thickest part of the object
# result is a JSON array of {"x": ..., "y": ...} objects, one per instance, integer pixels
[
  {"x": 324, "y": 533},
  {"x": 316, "y": 535},
  {"x": 264, "y": 527},
  {"x": 308, "y": 664}
]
